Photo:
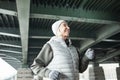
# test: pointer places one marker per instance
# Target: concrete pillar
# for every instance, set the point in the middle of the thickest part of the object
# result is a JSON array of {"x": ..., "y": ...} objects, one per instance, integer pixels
[
  {"x": 118, "y": 73},
  {"x": 91, "y": 73},
  {"x": 96, "y": 73},
  {"x": 24, "y": 74}
]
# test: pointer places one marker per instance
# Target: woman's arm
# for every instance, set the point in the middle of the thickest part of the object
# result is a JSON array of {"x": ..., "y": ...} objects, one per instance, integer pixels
[
  {"x": 42, "y": 60},
  {"x": 84, "y": 59}
]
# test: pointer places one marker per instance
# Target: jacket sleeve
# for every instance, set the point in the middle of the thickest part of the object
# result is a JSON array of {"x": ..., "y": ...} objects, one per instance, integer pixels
[
  {"x": 83, "y": 63},
  {"x": 41, "y": 61}
]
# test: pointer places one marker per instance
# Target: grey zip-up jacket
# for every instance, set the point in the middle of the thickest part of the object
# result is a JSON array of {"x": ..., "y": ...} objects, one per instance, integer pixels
[{"x": 40, "y": 66}]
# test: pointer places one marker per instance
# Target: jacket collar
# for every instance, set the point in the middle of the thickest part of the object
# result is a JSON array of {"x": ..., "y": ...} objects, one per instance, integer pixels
[{"x": 61, "y": 40}]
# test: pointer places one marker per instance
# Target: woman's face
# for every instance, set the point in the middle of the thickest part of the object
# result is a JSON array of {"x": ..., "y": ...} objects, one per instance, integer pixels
[{"x": 64, "y": 29}]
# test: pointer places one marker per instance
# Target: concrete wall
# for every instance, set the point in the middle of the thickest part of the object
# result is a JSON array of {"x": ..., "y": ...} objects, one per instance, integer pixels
[
  {"x": 118, "y": 73},
  {"x": 24, "y": 74},
  {"x": 96, "y": 73}
]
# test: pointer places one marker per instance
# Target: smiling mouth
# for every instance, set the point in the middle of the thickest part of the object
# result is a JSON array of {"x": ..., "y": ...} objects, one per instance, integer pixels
[{"x": 68, "y": 31}]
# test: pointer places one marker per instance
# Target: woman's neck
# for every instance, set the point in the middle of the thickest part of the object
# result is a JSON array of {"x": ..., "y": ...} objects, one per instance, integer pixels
[{"x": 63, "y": 37}]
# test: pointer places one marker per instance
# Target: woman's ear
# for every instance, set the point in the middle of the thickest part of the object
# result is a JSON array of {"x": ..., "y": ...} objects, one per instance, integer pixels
[{"x": 59, "y": 32}]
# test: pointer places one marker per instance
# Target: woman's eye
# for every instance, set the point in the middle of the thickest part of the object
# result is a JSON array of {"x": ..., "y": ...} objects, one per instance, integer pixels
[{"x": 65, "y": 25}]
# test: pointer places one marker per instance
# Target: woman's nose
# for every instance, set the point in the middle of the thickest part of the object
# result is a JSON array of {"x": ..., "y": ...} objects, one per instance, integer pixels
[{"x": 68, "y": 27}]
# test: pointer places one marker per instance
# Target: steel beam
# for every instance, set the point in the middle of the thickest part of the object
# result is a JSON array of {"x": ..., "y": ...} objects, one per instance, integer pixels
[
  {"x": 9, "y": 12},
  {"x": 111, "y": 55},
  {"x": 23, "y": 9},
  {"x": 45, "y": 16},
  {"x": 104, "y": 33}
]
